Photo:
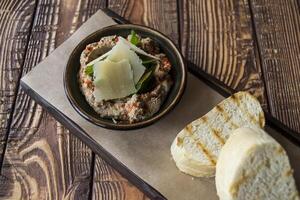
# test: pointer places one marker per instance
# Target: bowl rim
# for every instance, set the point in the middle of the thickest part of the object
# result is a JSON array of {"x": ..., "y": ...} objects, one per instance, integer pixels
[{"x": 136, "y": 125}]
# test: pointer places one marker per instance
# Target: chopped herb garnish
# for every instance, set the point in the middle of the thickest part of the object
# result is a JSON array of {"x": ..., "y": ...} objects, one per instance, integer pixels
[
  {"x": 144, "y": 83},
  {"x": 134, "y": 39},
  {"x": 89, "y": 70},
  {"x": 148, "y": 61}
]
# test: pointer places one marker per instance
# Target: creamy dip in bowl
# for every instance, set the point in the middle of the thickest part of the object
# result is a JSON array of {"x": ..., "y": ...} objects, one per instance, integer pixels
[{"x": 124, "y": 77}]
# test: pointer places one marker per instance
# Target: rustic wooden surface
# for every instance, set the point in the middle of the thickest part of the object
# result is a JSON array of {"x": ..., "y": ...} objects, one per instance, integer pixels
[
  {"x": 16, "y": 17},
  {"x": 277, "y": 25},
  {"x": 218, "y": 37},
  {"x": 249, "y": 45},
  {"x": 43, "y": 161}
]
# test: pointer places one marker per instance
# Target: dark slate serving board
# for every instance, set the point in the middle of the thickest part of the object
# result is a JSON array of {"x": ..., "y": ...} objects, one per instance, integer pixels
[{"x": 143, "y": 155}]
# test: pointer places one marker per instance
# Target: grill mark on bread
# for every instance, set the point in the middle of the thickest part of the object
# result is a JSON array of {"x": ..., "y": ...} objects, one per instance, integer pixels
[
  {"x": 252, "y": 119},
  {"x": 179, "y": 141},
  {"x": 236, "y": 185},
  {"x": 200, "y": 146},
  {"x": 226, "y": 117},
  {"x": 206, "y": 152},
  {"x": 219, "y": 108},
  {"x": 236, "y": 100},
  {"x": 217, "y": 135},
  {"x": 234, "y": 126},
  {"x": 288, "y": 173},
  {"x": 261, "y": 119},
  {"x": 280, "y": 150},
  {"x": 188, "y": 128},
  {"x": 204, "y": 119}
]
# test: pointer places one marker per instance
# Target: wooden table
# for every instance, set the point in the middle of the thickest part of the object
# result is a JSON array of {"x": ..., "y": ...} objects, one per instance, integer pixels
[{"x": 251, "y": 45}]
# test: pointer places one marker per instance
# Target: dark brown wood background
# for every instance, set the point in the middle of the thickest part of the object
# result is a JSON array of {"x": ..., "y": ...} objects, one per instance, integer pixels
[{"x": 251, "y": 45}]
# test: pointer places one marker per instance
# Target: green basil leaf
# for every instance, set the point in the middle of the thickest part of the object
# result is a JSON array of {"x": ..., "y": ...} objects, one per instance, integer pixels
[
  {"x": 148, "y": 61},
  {"x": 89, "y": 70},
  {"x": 144, "y": 83},
  {"x": 134, "y": 38}
]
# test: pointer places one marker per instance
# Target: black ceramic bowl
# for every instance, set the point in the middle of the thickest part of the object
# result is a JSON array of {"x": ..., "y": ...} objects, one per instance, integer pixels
[{"x": 78, "y": 101}]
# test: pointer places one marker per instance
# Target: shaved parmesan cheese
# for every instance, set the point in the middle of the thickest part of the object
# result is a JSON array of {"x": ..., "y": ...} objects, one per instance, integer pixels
[
  {"x": 136, "y": 49},
  {"x": 116, "y": 76},
  {"x": 113, "y": 80},
  {"x": 125, "y": 50},
  {"x": 122, "y": 51}
]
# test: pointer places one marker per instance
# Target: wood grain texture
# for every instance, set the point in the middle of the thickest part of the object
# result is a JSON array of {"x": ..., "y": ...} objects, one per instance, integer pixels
[
  {"x": 109, "y": 184},
  {"x": 15, "y": 21},
  {"x": 42, "y": 160},
  {"x": 277, "y": 25},
  {"x": 161, "y": 15},
  {"x": 218, "y": 37}
]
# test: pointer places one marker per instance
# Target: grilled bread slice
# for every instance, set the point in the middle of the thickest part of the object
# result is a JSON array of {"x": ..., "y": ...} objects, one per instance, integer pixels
[
  {"x": 196, "y": 148},
  {"x": 252, "y": 165}
]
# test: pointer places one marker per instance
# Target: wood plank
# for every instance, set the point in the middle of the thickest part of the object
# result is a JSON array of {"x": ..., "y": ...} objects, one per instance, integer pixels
[
  {"x": 109, "y": 184},
  {"x": 218, "y": 37},
  {"x": 15, "y": 21},
  {"x": 162, "y": 15},
  {"x": 44, "y": 161},
  {"x": 278, "y": 31}
]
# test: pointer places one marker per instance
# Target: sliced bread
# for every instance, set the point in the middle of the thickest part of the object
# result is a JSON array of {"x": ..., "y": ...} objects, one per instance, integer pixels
[
  {"x": 196, "y": 148},
  {"x": 252, "y": 165}
]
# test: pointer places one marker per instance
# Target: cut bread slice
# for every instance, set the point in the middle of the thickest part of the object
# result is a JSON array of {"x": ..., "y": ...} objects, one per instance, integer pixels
[
  {"x": 252, "y": 165},
  {"x": 196, "y": 148}
]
